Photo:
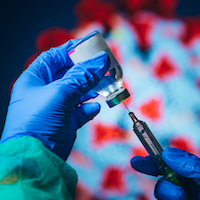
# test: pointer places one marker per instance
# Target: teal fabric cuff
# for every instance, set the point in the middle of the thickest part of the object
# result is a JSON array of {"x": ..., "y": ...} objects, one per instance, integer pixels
[{"x": 28, "y": 170}]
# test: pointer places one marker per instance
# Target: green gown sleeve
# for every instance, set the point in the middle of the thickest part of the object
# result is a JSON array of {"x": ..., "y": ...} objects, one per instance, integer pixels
[{"x": 29, "y": 171}]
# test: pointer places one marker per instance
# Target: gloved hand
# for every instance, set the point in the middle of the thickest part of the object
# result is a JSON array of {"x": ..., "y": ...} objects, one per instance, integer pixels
[
  {"x": 186, "y": 165},
  {"x": 46, "y": 100}
]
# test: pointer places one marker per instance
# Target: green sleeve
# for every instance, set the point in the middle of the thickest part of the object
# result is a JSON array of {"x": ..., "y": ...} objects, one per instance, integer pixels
[{"x": 29, "y": 171}]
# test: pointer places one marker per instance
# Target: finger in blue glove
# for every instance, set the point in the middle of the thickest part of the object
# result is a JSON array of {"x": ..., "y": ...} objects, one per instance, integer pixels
[
  {"x": 165, "y": 190},
  {"x": 145, "y": 165}
]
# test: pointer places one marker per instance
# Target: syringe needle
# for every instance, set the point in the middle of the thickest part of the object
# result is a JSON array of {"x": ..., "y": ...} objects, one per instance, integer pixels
[
  {"x": 133, "y": 117},
  {"x": 126, "y": 107},
  {"x": 131, "y": 114}
]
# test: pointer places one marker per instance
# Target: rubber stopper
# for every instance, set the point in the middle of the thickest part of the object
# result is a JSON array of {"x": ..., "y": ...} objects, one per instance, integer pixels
[{"x": 117, "y": 97}]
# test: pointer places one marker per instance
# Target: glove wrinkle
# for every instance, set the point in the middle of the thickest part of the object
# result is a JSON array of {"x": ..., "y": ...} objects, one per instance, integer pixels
[
  {"x": 76, "y": 118},
  {"x": 86, "y": 112},
  {"x": 59, "y": 59},
  {"x": 38, "y": 77},
  {"x": 46, "y": 65}
]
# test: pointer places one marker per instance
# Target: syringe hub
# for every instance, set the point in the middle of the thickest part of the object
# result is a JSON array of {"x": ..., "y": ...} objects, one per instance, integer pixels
[{"x": 133, "y": 117}]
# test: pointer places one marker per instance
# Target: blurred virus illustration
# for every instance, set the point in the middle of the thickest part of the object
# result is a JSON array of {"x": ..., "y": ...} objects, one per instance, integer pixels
[{"x": 159, "y": 52}]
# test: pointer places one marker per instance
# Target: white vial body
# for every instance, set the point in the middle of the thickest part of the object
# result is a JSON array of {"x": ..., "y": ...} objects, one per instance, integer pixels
[{"x": 88, "y": 47}]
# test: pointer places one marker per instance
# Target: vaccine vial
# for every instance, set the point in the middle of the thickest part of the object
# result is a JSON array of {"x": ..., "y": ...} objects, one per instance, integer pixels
[{"x": 111, "y": 85}]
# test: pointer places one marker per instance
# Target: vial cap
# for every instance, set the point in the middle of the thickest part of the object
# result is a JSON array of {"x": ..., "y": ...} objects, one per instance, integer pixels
[{"x": 117, "y": 97}]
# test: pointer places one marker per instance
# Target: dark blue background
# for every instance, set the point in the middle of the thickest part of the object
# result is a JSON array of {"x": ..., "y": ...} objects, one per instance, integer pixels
[{"x": 22, "y": 20}]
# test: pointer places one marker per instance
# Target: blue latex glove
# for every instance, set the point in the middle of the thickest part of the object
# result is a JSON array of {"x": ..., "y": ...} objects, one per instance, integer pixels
[
  {"x": 46, "y": 100},
  {"x": 186, "y": 165}
]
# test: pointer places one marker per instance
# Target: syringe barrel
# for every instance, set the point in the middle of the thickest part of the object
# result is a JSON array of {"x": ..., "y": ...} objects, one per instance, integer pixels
[
  {"x": 147, "y": 138},
  {"x": 154, "y": 149}
]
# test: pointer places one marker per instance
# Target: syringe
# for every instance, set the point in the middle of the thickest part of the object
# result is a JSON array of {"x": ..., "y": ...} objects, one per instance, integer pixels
[{"x": 153, "y": 148}]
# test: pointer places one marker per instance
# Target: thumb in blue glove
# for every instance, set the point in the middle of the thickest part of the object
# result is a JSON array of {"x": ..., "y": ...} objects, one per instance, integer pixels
[
  {"x": 186, "y": 165},
  {"x": 47, "y": 100}
]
